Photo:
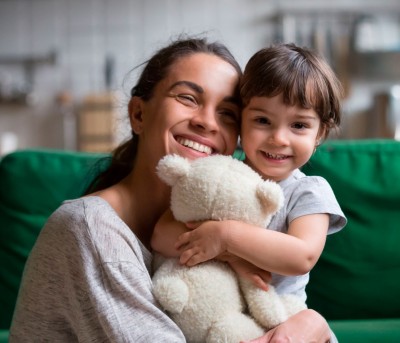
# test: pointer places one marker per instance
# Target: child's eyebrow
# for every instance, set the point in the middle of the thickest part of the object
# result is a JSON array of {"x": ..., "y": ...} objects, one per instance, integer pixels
[
  {"x": 259, "y": 109},
  {"x": 306, "y": 116}
]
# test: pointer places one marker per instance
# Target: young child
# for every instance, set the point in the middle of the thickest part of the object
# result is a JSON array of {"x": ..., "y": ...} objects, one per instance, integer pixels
[{"x": 291, "y": 101}]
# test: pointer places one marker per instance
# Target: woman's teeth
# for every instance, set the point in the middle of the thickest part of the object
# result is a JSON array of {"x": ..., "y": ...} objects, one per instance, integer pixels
[{"x": 195, "y": 146}]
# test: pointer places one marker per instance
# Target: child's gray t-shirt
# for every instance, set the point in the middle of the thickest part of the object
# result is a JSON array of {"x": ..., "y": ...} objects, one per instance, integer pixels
[{"x": 304, "y": 195}]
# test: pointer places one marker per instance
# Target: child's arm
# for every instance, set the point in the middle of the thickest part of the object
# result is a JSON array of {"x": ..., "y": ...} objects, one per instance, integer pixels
[
  {"x": 165, "y": 235},
  {"x": 294, "y": 253}
]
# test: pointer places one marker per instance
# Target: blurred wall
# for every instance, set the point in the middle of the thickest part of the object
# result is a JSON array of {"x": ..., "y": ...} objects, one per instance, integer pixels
[{"x": 56, "y": 52}]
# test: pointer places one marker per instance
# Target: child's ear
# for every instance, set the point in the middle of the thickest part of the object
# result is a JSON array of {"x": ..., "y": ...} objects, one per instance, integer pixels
[
  {"x": 135, "y": 114},
  {"x": 321, "y": 135}
]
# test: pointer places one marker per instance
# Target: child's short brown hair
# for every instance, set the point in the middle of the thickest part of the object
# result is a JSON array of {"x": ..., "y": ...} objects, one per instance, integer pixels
[{"x": 303, "y": 77}]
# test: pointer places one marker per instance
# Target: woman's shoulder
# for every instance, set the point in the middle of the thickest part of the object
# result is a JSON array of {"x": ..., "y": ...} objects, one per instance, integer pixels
[
  {"x": 89, "y": 202},
  {"x": 78, "y": 217},
  {"x": 77, "y": 210},
  {"x": 91, "y": 219}
]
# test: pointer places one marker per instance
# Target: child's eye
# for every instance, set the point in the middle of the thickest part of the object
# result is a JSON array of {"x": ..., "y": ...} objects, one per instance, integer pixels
[
  {"x": 262, "y": 120},
  {"x": 299, "y": 126}
]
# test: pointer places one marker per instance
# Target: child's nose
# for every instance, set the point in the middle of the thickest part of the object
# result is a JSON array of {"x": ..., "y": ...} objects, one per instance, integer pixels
[{"x": 279, "y": 136}]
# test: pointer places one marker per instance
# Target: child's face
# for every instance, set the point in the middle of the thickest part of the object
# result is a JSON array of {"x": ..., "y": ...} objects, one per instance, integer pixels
[{"x": 278, "y": 138}]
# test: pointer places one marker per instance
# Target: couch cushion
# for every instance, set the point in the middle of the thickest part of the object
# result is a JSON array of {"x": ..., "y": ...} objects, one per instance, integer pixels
[
  {"x": 358, "y": 275},
  {"x": 367, "y": 330},
  {"x": 32, "y": 185}
]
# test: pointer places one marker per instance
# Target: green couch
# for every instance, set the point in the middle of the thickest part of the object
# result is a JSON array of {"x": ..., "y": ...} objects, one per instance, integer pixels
[{"x": 355, "y": 284}]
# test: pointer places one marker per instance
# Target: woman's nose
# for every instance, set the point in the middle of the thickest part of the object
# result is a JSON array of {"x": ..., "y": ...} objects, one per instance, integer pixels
[{"x": 206, "y": 119}]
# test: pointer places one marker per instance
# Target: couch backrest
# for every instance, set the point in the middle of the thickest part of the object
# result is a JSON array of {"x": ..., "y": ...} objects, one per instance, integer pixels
[
  {"x": 32, "y": 185},
  {"x": 358, "y": 275}
]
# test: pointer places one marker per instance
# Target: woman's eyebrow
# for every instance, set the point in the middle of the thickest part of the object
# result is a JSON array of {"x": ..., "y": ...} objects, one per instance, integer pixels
[
  {"x": 191, "y": 85},
  {"x": 232, "y": 99},
  {"x": 194, "y": 86}
]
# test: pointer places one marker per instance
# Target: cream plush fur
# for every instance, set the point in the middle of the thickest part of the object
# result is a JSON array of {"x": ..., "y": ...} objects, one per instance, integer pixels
[{"x": 207, "y": 301}]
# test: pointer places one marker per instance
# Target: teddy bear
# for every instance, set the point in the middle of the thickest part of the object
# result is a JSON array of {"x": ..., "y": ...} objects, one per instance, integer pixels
[{"x": 209, "y": 302}]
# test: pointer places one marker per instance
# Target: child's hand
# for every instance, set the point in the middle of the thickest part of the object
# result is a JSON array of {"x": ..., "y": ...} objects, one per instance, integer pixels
[
  {"x": 259, "y": 277},
  {"x": 202, "y": 243},
  {"x": 193, "y": 225}
]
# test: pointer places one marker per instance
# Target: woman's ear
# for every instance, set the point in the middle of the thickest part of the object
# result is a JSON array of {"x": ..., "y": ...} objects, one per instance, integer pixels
[{"x": 135, "y": 114}]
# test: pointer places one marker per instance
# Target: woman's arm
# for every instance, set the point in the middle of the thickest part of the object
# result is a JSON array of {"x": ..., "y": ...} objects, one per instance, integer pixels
[
  {"x": 305, "y": 326},
  {"x": 294, "y": 253},
  {"x": 165, "y": 235}
]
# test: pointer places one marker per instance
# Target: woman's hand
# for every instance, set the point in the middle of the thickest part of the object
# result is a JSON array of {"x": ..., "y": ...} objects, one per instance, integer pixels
[
  {"x": 204, "y": 242},
  {"x": 307, "y": 326}
]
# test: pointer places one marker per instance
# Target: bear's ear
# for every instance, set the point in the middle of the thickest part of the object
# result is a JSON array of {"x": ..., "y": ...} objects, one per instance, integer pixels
[
  {"x": 270, "y": 195},
  {"x": 172, "y": 167}
]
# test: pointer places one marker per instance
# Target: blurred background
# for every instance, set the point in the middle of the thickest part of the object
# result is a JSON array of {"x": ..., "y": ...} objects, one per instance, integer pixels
[{"x": 66, "y": 66}]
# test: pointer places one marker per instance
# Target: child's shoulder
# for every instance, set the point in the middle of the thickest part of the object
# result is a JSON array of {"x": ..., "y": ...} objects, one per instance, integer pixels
[{"x": 298, "y": 182}]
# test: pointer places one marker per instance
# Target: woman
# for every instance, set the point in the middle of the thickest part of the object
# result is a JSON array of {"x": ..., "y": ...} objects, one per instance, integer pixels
[{"x": 88, "y": 276}]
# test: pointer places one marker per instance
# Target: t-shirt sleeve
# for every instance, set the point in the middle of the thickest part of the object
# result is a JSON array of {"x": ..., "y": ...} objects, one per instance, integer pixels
[
  {"x": 117, "y": 288},
  {"x": 313, "y": 195},
  {"x": 87, "y": 280}
]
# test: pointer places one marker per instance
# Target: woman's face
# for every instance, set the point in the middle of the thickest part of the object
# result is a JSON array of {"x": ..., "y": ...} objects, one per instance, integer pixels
[{"x": 193, "y": 111}]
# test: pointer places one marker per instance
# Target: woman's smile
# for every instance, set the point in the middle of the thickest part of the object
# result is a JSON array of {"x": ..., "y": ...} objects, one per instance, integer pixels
[{"x": 195, "y": 145}]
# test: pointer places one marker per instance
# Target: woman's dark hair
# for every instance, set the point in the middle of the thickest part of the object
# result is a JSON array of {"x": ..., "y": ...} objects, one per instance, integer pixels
[
  {"x": 303, "y": 77},
  {"x": 156, "y": 69}
]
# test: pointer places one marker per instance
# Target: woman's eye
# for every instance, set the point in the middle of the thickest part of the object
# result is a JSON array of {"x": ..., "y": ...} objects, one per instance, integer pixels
[
  {"x": 230, "y": 115},
  {"x": 186, "y": 99}
]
